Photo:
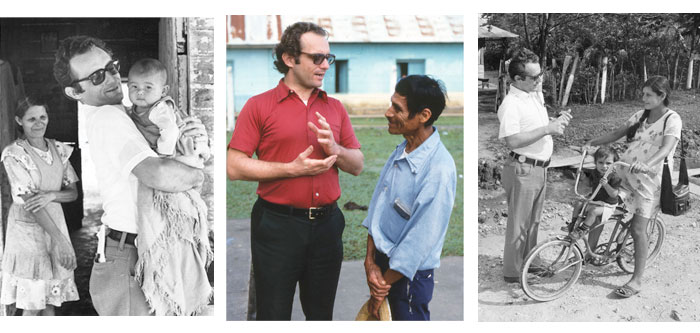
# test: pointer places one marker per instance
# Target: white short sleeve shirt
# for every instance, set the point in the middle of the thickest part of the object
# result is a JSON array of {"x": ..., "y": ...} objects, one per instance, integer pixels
[
  {"x": 522, "y": 112},
  {"x": 116, "y": 147}
]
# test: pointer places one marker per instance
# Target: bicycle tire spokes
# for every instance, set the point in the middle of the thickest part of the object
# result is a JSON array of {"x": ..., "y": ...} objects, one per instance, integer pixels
[{"x": 551, "y": 269}]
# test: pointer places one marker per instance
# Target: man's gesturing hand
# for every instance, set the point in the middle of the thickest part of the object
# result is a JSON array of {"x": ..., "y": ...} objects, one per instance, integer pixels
[
  {"x": 305, "y": 166},
  {"x": 325, "y": 135}
]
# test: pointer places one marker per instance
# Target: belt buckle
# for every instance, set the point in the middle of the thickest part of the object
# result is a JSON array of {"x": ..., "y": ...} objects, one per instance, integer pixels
[
  {"x": 522, "y": 158},
  {"x": 311, "y": 216}
]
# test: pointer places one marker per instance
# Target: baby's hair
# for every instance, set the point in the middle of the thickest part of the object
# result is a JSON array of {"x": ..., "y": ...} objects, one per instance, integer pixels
[
  {"x": 605, "y": 152},
  {"x": 149, "y": 66}
]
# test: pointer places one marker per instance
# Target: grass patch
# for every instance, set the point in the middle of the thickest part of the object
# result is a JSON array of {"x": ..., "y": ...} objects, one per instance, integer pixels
[
  {"x": 381, "y": 121},
  {"x": 377, "y": 145}
]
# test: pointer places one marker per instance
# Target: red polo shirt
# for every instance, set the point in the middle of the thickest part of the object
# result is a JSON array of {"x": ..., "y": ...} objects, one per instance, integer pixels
[{"x": 274, "y": 126}]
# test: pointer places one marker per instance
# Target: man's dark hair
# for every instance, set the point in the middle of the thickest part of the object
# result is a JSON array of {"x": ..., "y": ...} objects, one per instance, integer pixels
[
  {"x": 290, "y": 42},
  {"x": 518, "y": 61},
  {"x": 69, "y": 48},
  {"x": 422, "y": 92}
]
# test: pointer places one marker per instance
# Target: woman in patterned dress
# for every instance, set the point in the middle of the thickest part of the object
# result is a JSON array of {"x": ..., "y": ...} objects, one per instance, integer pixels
[
  {"x": 652, "y": 135},
  {"x": 38, "y": 259}
]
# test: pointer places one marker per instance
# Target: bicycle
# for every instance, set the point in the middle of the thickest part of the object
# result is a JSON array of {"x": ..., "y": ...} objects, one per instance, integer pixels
[{"x": 552, "y": 267}]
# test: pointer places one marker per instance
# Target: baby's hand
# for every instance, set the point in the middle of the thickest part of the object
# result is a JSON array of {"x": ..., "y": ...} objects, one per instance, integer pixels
[
  {"x": 189, "y": 155},
  {"x": 604, "y": 180},
  {"x": 201, "y": 147}
]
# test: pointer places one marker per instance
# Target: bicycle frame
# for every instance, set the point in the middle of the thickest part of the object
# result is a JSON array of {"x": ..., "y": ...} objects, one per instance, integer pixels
[{"x": 619, "y": 222}]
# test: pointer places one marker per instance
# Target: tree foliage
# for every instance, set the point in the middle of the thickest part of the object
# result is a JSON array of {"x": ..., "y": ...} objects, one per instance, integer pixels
[{"x": 636, "y": 46}]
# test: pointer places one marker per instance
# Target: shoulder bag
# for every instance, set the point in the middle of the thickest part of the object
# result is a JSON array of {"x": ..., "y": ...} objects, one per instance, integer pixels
[{"x": 675, "y": 200}]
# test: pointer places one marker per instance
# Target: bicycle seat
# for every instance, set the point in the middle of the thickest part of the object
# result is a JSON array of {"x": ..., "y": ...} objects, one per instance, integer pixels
[{"x": 619, "y": 212}]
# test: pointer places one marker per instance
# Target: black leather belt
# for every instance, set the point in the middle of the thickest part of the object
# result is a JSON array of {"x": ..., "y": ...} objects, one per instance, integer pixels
[
  {"x": 310, "y": 213},
  {"x": 524, "y": 159},
  {"x": 117, "y": 236}
]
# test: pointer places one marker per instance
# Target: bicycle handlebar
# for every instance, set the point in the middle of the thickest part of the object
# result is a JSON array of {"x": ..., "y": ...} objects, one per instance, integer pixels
[{"x": 584, "y": 152}]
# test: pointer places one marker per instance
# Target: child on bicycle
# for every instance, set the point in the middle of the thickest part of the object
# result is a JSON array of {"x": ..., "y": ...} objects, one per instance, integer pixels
[{"x": 605, "y": 201}]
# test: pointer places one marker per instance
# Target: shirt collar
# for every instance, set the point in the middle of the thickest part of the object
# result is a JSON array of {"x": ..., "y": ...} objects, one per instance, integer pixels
[
  {"x": 519, "y": 92},
  {"x": 422, "y": 154},
  {"x": 282, "y": 91},
  {"x": 91, "y": 108},
  {"x": 537, "y": 95}
]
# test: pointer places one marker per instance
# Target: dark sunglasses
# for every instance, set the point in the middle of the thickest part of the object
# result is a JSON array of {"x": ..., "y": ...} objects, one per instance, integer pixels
[
  {"x": 317, "y": 58},
  {"x": 98, "y": 76}
]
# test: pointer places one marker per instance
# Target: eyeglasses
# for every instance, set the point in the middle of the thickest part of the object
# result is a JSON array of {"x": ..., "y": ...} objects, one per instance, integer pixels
[
  {"x": 535, "y": 77},
  {"x": 317, "y": 58},
  {"x": 98, "y": 76}
]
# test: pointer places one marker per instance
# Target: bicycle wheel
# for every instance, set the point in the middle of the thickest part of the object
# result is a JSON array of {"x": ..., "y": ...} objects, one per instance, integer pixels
[
  {"x": 550, "y": 269},
  {"x": 656, "y": 232}
]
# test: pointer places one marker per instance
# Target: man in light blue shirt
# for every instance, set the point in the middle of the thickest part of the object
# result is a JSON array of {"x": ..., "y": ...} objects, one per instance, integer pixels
[{"x": 411, "y": 204}]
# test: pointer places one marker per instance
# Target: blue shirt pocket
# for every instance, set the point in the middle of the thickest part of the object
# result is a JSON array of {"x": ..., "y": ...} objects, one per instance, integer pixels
[{"x": 395, "y": 219}]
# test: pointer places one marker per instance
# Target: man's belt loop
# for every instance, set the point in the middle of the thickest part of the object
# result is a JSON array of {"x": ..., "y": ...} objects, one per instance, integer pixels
[
  {"x": 532, "y": 161},
  {"x": 122, "y": 241}
]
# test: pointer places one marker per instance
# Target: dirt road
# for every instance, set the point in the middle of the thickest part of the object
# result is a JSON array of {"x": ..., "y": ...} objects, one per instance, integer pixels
[
  {"x": 672, "y": 281},
  {"x": 671, "y": 290}
]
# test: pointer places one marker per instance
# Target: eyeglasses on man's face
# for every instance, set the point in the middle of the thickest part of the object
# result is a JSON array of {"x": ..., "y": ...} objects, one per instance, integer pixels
[
  {"x": 317, "y": 58},
  {"x": 535, "y": 77},
  {"x": 98, "y": 76}
]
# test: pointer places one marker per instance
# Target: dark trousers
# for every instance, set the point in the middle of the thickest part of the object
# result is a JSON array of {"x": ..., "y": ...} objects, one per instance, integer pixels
[
  {"x": 408, "y": 299},
  {"x": 289, "y": 249}
]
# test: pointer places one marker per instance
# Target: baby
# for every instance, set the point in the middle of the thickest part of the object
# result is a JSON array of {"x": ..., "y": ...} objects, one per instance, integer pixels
[
  {"x": 155, "y": 113},
  {"x": 607, "y": 197},
  {"x": 173, "y": 243}
]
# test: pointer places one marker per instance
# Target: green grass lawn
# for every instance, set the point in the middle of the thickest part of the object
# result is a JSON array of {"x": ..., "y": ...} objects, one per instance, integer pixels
[
  {"x": 445, "y": 120},
  {"x": 377, "y": 145}
]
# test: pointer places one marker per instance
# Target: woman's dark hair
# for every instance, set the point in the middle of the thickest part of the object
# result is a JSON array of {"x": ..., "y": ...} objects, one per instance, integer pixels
[
  {"x": 22, "y": 106},
  {"x": 290, "y": 43},
  {"x": 659, "y": 85}
]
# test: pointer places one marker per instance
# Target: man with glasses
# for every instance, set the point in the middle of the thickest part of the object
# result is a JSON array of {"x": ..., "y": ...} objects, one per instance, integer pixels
[
  {"x": 301, "y": 138},
  {"x": 525, "y": 125},
  {"x": 84, "y": 67}
]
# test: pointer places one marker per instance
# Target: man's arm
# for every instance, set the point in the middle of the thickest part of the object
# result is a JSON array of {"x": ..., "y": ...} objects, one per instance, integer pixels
[
  {"x": 350, "y": 160},
  {"x": 167, "y": 175},
  {"x": 240, "y": 166},
  {"x": 426, "y": 227},
  {"x": 523, "y": 139},
  {"x": 378, "y": 286}
]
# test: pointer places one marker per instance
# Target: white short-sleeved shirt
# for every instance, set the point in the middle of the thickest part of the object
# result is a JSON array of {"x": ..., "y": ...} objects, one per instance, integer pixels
[
  {"x": 522, "y": 112},
  {"x": 116, "y": 147}
]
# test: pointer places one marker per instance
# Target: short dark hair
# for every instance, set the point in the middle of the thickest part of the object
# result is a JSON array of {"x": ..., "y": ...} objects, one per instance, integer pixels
[
  {"x": 518, "y": 61},
  {"x": 290, "y": 42},
  {"x": 605, "y": 152},
  {"x": 69, "y": 48},
  {"x": 149, "y": 66},
  {"x": 421, "y": 92}
]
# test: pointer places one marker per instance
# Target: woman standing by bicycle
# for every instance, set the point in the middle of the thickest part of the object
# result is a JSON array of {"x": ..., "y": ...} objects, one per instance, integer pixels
[{"x": 652, "y": 135}]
